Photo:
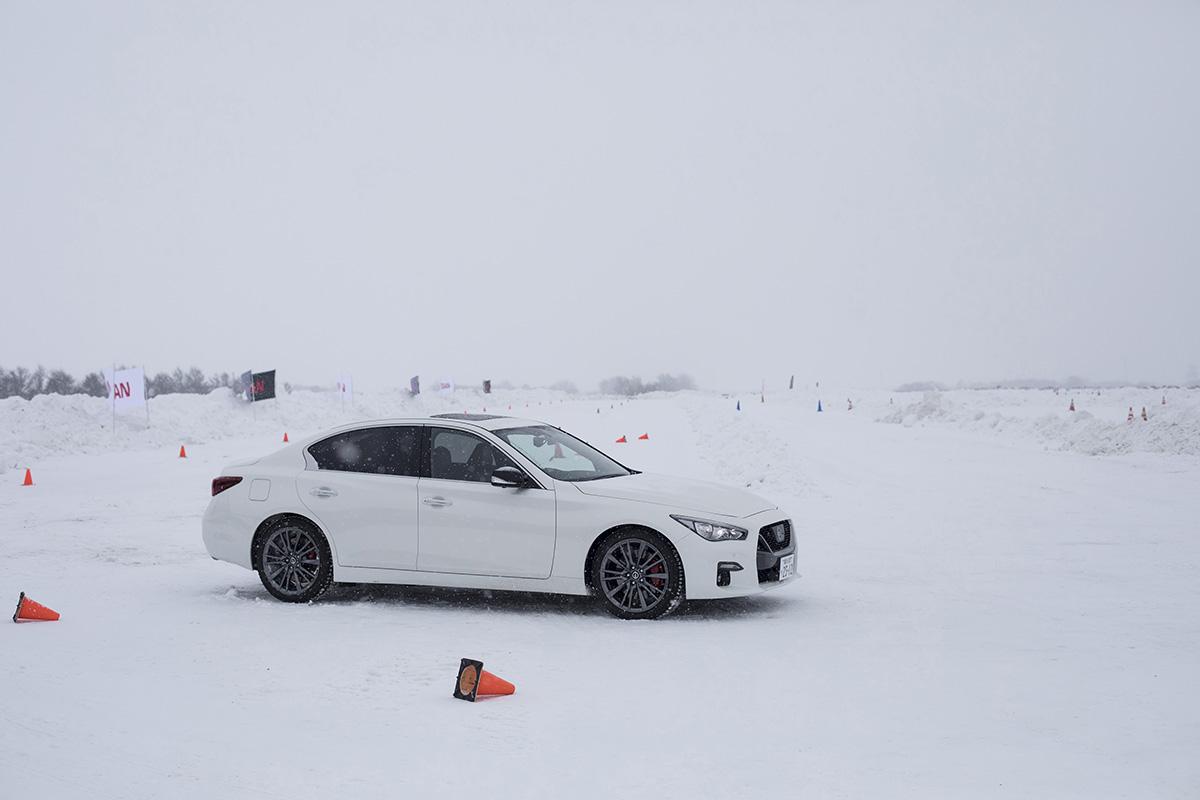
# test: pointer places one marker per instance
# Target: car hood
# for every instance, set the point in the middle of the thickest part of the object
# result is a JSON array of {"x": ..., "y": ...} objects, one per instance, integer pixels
[{"x": 681, "y": 494}]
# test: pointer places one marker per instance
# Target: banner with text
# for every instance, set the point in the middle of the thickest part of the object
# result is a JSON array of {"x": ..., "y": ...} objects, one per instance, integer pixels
[
  {"x": 126, "y": 388},
  {"x": 262, "y": 385}
]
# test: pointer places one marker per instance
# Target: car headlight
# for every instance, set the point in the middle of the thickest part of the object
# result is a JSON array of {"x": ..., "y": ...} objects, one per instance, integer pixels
[{"x": 713, "y": 531}]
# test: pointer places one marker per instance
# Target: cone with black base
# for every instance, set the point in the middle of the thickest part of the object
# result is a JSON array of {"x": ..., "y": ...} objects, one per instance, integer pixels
[
  {"x": 31, "y": 611},
  {"x": 474, "y": 681}
]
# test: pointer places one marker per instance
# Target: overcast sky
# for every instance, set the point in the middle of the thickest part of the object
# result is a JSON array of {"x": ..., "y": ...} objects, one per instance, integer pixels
[{"x": 849, "y": 191}]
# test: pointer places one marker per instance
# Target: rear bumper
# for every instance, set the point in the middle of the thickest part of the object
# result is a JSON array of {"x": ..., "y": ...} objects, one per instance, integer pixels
[
  {"x": 224, "y": 533},
  {"x": 711, "y": 567}
]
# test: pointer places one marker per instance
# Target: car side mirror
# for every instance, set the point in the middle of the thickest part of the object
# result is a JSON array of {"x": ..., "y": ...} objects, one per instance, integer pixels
[{"x": 509, "y": 478}]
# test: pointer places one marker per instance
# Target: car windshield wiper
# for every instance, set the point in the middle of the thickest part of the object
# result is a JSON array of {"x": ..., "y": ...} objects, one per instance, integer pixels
[{"x": 605, "y": 477}]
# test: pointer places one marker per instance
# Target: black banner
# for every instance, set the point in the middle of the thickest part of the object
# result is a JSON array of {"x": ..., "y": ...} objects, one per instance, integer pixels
[
  {"x": 262, "y": 385},
  {"x": 487, "y": 387},
  {"x": 414, "y": 385}
]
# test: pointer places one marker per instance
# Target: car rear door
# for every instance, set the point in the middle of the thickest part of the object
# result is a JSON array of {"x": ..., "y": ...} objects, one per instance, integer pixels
[
  {"x": 361, "y": 485},
  {"x": 468, "y": 526}
]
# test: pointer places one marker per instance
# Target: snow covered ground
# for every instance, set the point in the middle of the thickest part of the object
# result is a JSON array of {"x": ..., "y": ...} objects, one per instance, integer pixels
[{"x": 985, "y": 610}]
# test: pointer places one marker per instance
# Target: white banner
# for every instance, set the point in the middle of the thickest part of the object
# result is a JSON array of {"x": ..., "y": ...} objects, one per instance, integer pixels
[
  {"x": 445, "y": 386},
  {"x": 126, "y": 389},
  {"x": 345, "y": 385}
]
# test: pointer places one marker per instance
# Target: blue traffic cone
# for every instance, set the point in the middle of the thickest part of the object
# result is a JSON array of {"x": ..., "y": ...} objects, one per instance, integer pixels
[{"x": 819, "y": 406}]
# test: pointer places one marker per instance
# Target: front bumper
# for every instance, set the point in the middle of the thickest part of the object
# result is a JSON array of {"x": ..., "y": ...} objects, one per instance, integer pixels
[{"x": 737, "y": 569}]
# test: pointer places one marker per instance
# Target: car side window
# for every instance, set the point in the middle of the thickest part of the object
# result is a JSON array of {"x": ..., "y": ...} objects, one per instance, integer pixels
[
  {"x": 460, "y": 456},
  {"x": 378, "y": 451}
]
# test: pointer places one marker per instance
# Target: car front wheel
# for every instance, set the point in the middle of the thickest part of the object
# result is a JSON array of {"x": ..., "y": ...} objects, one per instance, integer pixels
[
  {"x": 638, "y": 574},
  {"x": 294, "y": 561}
]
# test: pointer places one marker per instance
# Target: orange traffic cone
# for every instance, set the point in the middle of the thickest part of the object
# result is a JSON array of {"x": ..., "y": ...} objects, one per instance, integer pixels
[
  {"x": 1072, "y": 406},
  {"x": 558, "y": 453},
  {"x": 1130, "y": 417},
  {"x": 1144, "y": 417},
  {"x": 644, "y": 437},
  {"x": 182, "y": 452},
  {"x": 622, "y": 440},
  {"x": 474, "y": 681},
  {"x": 28, "y": 478},
  {"x": 285, "y": 436},
  {"x": 28, "y": 610}
]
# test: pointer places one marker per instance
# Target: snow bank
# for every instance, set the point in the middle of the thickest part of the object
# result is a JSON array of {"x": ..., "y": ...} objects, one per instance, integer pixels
[
  {"x": 742, "y": 448},
  {"x": 50, "y": 425},
  {"x": 1099, "y": 426},
  {"x": 748, "y": 449}
]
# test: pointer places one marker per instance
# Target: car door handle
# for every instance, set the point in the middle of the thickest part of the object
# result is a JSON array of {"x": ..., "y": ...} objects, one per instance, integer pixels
[
  {"x": 437, "y": 502},
  {"x": 323, "y": 491}
]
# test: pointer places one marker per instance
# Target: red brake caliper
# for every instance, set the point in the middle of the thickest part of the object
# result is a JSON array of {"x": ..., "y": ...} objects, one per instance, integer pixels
[{"x": 655, "y": 570}]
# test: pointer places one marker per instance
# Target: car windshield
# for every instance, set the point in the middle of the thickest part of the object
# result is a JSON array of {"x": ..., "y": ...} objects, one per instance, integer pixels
[{"x": 560, "y": 455}]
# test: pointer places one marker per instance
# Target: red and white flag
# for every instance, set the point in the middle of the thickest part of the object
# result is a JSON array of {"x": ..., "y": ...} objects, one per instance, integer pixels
[
  {"x": 126, "y": 388},
  {"x": 345, "y": 385}
]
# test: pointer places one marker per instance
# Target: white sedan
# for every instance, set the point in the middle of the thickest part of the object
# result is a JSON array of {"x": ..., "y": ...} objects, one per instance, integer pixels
[{"x": 488, "y": 502}]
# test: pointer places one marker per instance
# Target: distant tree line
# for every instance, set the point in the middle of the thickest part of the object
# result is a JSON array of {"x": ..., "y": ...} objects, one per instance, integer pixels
[
  {"x": 1073, "y": 382},
  {"x": 628, "y": 386},
  {"x": 26, "y": 383}
]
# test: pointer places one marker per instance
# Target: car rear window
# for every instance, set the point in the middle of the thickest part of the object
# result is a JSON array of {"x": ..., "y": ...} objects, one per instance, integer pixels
[{"x": 388, "y": 450}]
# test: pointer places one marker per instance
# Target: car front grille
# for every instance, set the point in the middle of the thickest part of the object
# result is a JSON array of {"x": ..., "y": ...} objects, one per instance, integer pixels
[{"x": 773, "y": 538}]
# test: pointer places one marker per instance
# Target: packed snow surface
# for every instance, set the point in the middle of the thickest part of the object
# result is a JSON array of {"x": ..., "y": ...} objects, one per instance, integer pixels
[{"x": 986, "y": 608}]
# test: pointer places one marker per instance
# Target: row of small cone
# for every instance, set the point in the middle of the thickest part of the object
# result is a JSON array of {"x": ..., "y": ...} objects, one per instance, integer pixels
[
  {"x": 1129, "y": 417},
  {"x": 622, "y": 440},
  {"x": 182, "y": 454}
]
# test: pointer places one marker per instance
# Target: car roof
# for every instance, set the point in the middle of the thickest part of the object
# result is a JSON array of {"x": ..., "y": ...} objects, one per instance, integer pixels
[
  {"x": 491, "y": 422},
  {"x": 488, "y": 422}
]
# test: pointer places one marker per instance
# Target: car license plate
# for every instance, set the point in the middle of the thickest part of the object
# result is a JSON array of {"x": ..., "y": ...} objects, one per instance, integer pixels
[{"x": 787, "y": 567}]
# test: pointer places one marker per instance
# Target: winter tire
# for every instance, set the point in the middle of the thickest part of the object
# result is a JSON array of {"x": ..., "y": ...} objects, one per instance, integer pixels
[
  {"x": 638, "y": 574},
  {"x": 294, "y": 561}
]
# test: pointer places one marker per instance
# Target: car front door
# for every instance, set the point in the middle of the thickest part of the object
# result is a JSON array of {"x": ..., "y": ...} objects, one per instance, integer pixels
[
  {"x": 470, "y": 527},
  {"x": 361, "y": 485}
]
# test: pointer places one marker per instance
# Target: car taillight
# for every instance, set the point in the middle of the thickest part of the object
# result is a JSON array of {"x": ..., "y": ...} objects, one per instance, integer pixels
[{"x": 224, "y": 482}]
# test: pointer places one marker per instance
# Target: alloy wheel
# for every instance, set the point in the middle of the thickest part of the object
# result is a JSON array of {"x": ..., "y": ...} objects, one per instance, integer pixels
[
  {"x": 291, "y": 560},
  {"x": 633, "y": 575}
]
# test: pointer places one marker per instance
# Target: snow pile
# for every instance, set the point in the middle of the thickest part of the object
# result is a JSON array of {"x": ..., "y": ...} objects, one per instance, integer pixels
[
  {"x": 1044, "y": 416},
  {"x": 746, "y": 448},
  {"x": 50, "y": 425}
]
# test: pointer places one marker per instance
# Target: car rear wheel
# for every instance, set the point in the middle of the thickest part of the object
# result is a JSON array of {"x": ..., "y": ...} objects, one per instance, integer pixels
[
  {"x": 638, "y": 574},
  {"x": 294, "y": 561}
]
